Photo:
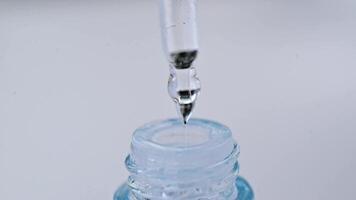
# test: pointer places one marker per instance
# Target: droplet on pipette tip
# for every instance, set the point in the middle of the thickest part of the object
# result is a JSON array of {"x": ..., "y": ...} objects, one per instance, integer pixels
[
  {"x": 185, "y": 111},
  {"x": 183, "y": 83},
  {"x": 185, "y": 102}
]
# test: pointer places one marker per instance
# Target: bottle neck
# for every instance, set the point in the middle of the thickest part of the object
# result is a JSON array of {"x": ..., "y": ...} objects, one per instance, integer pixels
[{"x": 171, "y": 161}]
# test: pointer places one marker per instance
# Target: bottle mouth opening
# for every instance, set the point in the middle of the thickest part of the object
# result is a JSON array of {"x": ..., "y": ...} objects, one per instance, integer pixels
[
  {"x": 180, "y": 137},
  {"x": 173, "y": 135},
  {"x": 171, "y": 145}
]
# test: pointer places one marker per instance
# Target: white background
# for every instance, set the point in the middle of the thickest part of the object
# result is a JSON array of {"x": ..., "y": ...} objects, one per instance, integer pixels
[{"x": 77, "y": 77}]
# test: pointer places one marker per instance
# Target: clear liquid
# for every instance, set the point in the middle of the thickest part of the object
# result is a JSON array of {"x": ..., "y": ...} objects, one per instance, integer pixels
[
  {"x": 183, "y": 59},
  {"x": 183, "y": 84}
]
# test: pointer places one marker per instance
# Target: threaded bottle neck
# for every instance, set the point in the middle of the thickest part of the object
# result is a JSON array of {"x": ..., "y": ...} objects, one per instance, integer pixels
[{"x": 171, "y": 161}]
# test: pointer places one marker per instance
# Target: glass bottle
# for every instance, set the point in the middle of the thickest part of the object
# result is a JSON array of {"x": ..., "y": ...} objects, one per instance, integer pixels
[{"x": 172, "y": 161}]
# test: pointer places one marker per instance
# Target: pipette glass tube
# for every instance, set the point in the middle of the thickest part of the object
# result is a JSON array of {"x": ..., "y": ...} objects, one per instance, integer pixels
[{"x": 180, "y": 43}]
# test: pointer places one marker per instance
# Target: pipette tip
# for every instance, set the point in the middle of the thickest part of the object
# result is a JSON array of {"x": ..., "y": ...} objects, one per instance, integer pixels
[{"x": 185, "y": 111}]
